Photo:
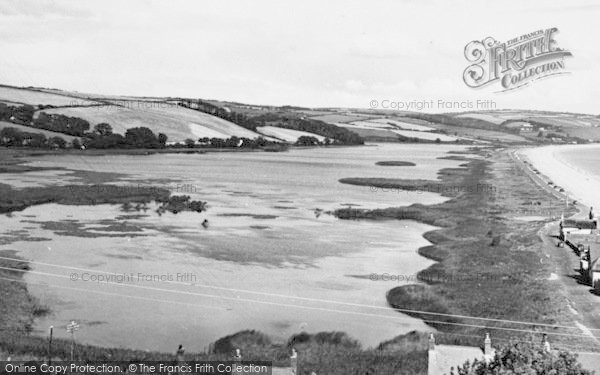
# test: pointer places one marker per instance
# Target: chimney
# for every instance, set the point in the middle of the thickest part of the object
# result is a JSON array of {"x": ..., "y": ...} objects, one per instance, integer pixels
[
  {"x": 432, "y": 363},
  {"x": 180, "y": 354},
  {"x": 487, "y": 347},
  {"x": 237, "y": 357},
  {"x": 545, "y": 343},
  {"x": 294, "y": 361}
]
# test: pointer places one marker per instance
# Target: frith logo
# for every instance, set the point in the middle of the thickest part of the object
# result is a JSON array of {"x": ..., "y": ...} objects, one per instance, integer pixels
[{"x": 516, "y": 62}]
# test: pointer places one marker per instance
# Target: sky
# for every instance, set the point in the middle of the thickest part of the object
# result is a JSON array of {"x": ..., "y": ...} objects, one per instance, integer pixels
[{"x": 307, "y": 53}]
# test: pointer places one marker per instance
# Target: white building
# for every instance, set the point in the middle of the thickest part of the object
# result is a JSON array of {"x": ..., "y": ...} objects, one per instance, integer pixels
[
  {"x": 441, "y": 358},
  {"x": 594, "y": 274},
  {"x": 444, "y": 357},
  {"x": 572, "y": 227}
]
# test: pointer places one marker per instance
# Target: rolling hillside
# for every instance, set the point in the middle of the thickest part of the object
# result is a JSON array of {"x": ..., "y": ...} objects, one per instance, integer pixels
[
  {"x": 168, "y": 115},
  {"x": 34, "y": 97},
  {"x": 287, "y": 135},
  {"x": 158, "y": 114},
  {"x": 560, "y": 125},
  {"x": 177, "y": 123},
  {"x": 384, "y": 128}
]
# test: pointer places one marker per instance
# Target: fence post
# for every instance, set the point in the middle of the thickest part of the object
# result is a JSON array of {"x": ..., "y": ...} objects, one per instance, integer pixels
[
  {"x": 180, "y": 357},
  {"x": 50, "y": 346}
]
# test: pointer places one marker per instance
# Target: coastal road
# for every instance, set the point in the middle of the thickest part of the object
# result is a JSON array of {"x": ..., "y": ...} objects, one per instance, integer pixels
[{"x": 580, "y": 299}]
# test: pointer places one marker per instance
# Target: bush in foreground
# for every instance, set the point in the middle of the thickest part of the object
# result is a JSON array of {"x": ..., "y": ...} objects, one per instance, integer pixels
[{"x": 525, "y": 358}]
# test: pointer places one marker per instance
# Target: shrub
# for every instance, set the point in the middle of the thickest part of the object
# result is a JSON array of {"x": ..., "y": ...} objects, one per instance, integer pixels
[{"x": 525, "y": 358}]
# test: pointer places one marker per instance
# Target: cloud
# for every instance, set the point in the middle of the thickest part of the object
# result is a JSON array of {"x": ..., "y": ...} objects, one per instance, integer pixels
[
  {"x": 40, "y": 9},
  {"x": 337, "y": 53},
  {"x": 355, "y": 85}
]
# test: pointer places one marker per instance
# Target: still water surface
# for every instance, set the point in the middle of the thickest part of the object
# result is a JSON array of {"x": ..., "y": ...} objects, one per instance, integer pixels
[{"x": 270, "y": 259}]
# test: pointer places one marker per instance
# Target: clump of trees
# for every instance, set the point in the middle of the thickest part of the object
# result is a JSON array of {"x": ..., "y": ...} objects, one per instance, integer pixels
[
  {"x": 103, "y": 129},
  {"x": 231, "y": 142},
  {"x": 173, "y": 204},
  {"x": 103, "y": 137},
  {"x": 104, "y": 141},
  {"x": 306, "y": 140},
  {"x": 13, "y": 137},
  {"x": 179, "y": 203},
  {"x": 74, "y": 126},
  {"x": 141, "y": 137},
  {"x": 18, "y": 114}
]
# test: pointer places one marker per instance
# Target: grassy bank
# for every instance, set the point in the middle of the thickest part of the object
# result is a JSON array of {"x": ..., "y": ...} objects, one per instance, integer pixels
[
  {"x": 92, "y": 190},
  {"x": 18, "y": 200},
  {"x": 334, "y": 353},
  {"x": 488, "y": 261},
  {"x": 396, "y": 163},
  {"x": 18, "y": 309}
]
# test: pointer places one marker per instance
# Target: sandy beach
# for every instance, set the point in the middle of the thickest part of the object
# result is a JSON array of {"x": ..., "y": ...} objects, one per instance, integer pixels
[{"x": 577, "y": 180}]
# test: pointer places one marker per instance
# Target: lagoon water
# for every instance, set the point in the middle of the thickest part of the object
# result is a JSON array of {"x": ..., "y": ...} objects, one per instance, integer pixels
[{"x": 271, "y": 259}]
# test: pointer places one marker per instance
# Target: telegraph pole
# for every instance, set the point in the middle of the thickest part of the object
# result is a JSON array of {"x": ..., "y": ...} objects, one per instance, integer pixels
[
  {"x": 50, "y": 346},
  {"x": 71, "y": 328}
]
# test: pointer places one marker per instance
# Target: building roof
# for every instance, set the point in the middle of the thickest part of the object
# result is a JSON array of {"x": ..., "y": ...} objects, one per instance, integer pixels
[
  {"x": 579, "y": 224},
  {"x": 282, "y": 371},
  {"x": 595, "y": 266},
  {"x": 443, "y": 357},
  {"x": 447, "y": 356},
  {"x": 589, "y": 361}
]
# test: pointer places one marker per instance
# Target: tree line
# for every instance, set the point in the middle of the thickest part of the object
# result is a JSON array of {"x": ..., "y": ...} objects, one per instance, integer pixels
[
  {"x": 214, "y": 110},
  {"x": 139, "y": 137},
  {"x": 282, "y": 119},
  {"x": 24, "y": 115},
  {"x": 13, "y": 137},
  {"x": 231, "y": 142},
  {"x": 336, "y": 134},
  {"x": 103, "y": 137}
]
